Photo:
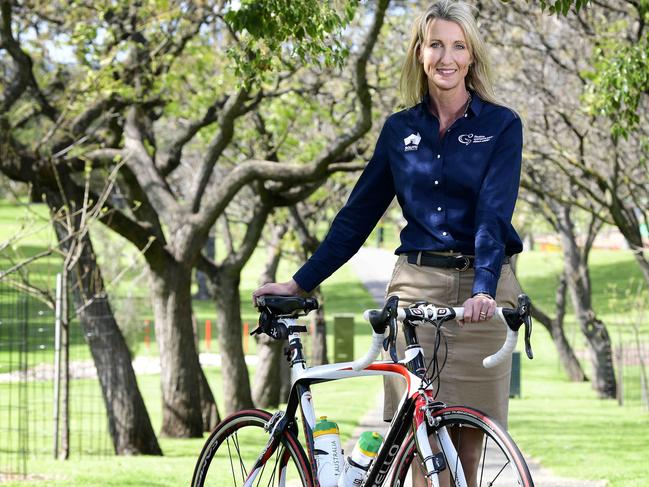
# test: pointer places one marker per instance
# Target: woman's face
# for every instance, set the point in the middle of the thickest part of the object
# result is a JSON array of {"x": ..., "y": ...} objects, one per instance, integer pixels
[{"x": 445, "y": 55}]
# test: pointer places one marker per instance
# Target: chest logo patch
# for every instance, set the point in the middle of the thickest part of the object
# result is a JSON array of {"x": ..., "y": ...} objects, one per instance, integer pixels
[
  {"x": 467, "y": 139},
  {"x": 412, "y": 142}
]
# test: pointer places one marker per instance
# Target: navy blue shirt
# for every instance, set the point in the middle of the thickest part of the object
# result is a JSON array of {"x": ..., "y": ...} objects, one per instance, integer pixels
[{"x": 457, "y": 193}]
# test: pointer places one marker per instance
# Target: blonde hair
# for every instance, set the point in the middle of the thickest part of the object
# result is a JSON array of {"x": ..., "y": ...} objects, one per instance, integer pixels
[{"x": 414, "y": 82}]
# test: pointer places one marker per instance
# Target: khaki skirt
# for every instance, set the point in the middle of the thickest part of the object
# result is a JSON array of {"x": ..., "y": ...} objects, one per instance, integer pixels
[{"x": 464, "y": 381}]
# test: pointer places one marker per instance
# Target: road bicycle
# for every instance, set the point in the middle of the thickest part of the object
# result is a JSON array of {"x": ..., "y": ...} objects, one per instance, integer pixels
[{"x": 253, "y": 447}]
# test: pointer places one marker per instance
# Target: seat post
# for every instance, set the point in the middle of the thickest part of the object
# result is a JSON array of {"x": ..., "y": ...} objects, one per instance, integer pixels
[{"x": 295, "y": 354}]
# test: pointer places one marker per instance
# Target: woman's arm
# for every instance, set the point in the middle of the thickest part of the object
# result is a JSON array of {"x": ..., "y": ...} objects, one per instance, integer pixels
[
  {"x": 494, "y": 210},
  {"x": 366, "y": 204}
]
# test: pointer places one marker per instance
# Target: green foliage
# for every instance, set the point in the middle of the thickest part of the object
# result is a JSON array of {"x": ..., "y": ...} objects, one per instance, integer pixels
[
  {"x": 619, "y": 80},
  {"x": 559, "y": 7},
  {"x": 621, "y": 70},
  {"x": 562, "y": 6},
  {"x": 281, "y": 30}
]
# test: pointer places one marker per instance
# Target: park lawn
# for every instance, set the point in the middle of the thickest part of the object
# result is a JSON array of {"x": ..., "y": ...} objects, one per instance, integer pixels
[
  {"x": 570, "y": 431},
  {"x": 561, "y": 424},
  {"x": 342, "y": 402}
]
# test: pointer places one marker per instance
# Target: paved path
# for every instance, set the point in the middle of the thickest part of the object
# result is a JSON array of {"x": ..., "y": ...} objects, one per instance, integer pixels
[{"x": 374, "y": 267}]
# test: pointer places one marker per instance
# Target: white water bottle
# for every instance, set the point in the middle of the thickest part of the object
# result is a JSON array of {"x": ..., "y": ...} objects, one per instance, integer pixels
[
  {"x": 328, "y": 453},
  {"x": 362, "y": 456}
]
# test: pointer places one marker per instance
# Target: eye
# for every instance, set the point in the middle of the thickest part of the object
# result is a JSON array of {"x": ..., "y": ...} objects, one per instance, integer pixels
[
  {"x": 435, "y": 44},
  {"x": 460, "y": 46}
]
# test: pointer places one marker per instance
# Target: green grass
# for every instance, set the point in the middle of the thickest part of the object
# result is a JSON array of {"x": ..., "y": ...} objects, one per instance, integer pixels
[
  {"x": 345, "y": 403},
  {"x": 341, "y": 402},
  {"x": 562, "y": 424}
]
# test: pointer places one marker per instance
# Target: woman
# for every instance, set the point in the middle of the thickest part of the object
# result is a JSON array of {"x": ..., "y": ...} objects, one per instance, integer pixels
[{"x": 453, "y": 161}]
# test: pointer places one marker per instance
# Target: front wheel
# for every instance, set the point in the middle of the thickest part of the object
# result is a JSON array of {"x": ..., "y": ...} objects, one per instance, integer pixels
[
  {"x": 235, "y": 445},
  {"x": 501, "y": 463}
]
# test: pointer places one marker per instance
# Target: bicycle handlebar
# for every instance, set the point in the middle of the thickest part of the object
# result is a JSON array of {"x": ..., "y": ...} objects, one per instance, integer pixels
[
  {"x": 276, "y": 310},
  {"x": 422, "y": 313}
]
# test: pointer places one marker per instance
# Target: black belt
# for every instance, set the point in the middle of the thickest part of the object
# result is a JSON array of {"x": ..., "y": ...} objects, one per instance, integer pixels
[{"x": 459, "y": 262}]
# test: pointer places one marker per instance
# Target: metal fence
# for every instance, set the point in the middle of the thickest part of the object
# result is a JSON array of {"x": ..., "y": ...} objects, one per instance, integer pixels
[
  {"x": 29, "y": 418},
  {"x": 631, "y": 364}
]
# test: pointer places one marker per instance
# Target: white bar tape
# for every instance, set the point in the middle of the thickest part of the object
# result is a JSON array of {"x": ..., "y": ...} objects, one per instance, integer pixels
[{"x": 372, "y": 353}]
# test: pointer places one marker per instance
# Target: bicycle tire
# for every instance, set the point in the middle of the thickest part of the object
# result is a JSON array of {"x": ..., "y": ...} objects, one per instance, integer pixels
[
  {"x": 235, "y": 444},
  {"x": 502, "y": 463}
]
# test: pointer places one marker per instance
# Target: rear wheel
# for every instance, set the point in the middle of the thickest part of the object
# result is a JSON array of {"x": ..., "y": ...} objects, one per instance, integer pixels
[
  {"x": 501, "y": 463},
  {"x": 233, "y": 447}
]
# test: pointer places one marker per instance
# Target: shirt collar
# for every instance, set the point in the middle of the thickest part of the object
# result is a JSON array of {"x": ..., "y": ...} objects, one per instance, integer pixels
[{"x": 475, "y": 107}]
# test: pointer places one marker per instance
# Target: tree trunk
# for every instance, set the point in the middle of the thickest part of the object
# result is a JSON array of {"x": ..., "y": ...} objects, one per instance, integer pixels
[
  {"x": 129, "y": 424},
  {"x": 566, "y": 354},
  {"x": 128, "y": 420},
  {"x": 209, "y": 411},
  {"x": 318, "y": 324},
  {"x": 578, "y": 278},
  {"x": 236, "y": 383},
  {"x": 268, "y": 383},
  {"x": 601, "y": 353},
  {"x": 267, "y": 387},
  {"x": 318, "y": 332},
  {"x": 626, "y": 221},
  {"x": 180, "y": 369},
  {"x": 554, "y": 326},
  {"x": 201, "y": 279}
]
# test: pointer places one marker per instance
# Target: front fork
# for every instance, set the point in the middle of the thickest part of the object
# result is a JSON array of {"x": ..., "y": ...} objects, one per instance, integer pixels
[
  {"x": 426, "y": 429},
  {"x": 276, "y": 424}
]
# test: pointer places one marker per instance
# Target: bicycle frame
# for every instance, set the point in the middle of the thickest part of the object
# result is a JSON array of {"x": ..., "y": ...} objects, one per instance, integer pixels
[{"x": 410, "y": 413}]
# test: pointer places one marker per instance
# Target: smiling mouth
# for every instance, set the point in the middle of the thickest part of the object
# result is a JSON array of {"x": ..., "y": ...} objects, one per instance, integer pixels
[{"x": 444, "y": 71}]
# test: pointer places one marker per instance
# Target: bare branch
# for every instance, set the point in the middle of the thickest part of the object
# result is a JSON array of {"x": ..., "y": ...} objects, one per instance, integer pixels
[
  {"x": 23, "y": 61},
  {"x": 143, "y": 167},
  {"x": 215, "y": 200},
  {"x": 170, "y": 158},
  {"x": 230, "y": 112}
]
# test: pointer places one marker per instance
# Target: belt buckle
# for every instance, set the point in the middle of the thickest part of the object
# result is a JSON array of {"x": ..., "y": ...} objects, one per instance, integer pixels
[{"x": 465, "y": 265}]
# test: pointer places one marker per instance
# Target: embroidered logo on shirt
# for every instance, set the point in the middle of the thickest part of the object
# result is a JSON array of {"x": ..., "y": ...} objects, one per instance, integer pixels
[
  {"x": 467, "y": 139},
  {"x": 412, "y": 142}
]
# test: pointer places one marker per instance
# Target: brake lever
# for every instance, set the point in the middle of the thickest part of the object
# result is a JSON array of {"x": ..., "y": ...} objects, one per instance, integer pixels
[
  {"x": 390, "y": 315},
  {"x": 525, "y": 311},
  {"x": 528, "y": 336}
]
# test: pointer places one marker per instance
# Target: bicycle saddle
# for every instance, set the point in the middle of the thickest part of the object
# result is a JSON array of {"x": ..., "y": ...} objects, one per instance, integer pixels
[{"x": 286, "y": 306}]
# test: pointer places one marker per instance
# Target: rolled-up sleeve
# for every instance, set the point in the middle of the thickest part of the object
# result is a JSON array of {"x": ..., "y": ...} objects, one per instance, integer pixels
[
  {"x": 366, "y": 204},
  {"x": 495, "y": 207}
]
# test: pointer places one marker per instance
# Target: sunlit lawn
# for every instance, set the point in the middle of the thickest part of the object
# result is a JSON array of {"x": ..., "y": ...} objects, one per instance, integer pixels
[{"x": 561, "y": 424}]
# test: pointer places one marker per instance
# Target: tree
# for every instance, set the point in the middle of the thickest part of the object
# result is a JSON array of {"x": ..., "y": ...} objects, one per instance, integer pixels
[
  {"x": 576, "y": 277},
  {"x": 272, "y": 375},
  {"x": 603, "y": 173},
  {"x": 129, "y": 97},
  {"x": 128, "y": 420}
]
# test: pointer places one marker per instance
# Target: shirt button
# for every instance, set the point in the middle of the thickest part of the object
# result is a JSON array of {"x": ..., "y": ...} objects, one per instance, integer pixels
[
  {"x": 439, "y": 208},
  {"x": 439, "y": 155},
  {"x": 444, "y": 233},
  {"x": 436, "y": 182}
]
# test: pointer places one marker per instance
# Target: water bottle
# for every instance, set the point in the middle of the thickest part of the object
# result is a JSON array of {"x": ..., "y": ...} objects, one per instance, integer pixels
[
  {"x": 362, "y": 456},
  {"x": 328, "y": 453}
]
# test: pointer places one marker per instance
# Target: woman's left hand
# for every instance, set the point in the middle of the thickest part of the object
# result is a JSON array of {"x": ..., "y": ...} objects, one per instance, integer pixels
[{"x": 480, "y": 307}]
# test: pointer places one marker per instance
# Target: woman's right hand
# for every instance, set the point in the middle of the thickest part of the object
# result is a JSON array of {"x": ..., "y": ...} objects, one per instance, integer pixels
[{"x": 288, "y": 288}]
